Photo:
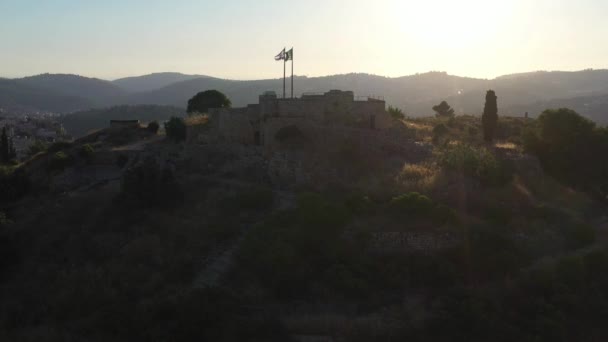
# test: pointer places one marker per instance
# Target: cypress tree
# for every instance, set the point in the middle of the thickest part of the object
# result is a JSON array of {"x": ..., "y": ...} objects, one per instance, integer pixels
[
  {"x": 489, "y": 119},
  {"x": 12, "y": 152},
  {"x": 4, "y": 147}
]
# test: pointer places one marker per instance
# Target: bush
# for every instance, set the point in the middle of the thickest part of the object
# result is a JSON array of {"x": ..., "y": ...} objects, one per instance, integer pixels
[
  {"x": 416, "y": 206},
  {"x": 59, "y": 146},
  {"x": 439, "y": 132},
  {"x": 14, "y": 183},
  {"x": 478, "y": 163},
  {"x": 37, "y": 147},
  {"x": 396, "y": 113},
  {"x": 4, "y": 220},
  {"x": 151, "y": 185},
  {"x": 153, "y": 127},
  {"x": 176, "y": 129},
  {"x": 291, "y": 249},
  {"x": 569, "y": 148},
  {"x": 60, "y": 161},
  {"x": 87, "y": 151}
]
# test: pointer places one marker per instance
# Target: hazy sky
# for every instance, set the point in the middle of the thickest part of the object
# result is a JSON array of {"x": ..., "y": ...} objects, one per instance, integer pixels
[{"x": 238, "y": 39}]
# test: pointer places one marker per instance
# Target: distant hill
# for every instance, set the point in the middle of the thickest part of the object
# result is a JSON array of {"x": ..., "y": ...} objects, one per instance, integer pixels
[
  {"x": 81, "y": 123},
  {"x": 98, "y": 92},
  {"x": 152, "y": 81},
  {"x": 20, "y": 97},
  {"x": 416, "y": 94},
  {"x": 401, "y": 91}
]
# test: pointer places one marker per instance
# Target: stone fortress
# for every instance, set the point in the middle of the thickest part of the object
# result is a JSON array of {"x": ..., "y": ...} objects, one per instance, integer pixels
[{"x": 261, "y": 124}]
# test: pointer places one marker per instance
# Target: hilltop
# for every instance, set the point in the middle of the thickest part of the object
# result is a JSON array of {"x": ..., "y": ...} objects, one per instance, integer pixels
[
  {"x": 385, "y": 235},
  {"x": 138, "y": 84}
]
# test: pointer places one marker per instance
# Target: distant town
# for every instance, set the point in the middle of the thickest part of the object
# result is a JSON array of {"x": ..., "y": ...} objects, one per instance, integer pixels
[{"x": 27, "y": 128}]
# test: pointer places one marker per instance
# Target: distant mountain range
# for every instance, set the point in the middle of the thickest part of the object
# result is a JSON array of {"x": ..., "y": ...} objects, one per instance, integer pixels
[{"x": 585, "y": 91}]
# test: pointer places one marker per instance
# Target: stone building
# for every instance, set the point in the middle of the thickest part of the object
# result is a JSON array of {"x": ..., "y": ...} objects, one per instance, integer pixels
[{"x": 259, "y": 124}]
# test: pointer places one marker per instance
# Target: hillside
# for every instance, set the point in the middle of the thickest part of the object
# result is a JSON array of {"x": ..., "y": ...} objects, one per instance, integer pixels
[
  {"x": 129, "y": 236},
  {"x": 151, "y": 82},
  {"x": 80, "y": 123},
  {"x": 99, "y": 92},
  {"x": 18, "y": 97}
]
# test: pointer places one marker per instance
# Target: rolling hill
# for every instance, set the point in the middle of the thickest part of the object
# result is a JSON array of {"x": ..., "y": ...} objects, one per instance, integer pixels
[
  {"x": 152, "y": 81},
  {"x": 98, "y": 92},
  {"x": 416, "y": 94}
]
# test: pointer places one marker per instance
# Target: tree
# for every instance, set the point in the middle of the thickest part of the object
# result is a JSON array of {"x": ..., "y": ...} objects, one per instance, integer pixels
[
  {"x": 443, "y": 110},
  {"x": 489, "y": 119},
  {"x": 569, "y": 146},
  {"x": 153, "y": 127},
  {"x": 176, "y": 129},
  {"x": 396, "y": 113},
  {"x": 5, "y": 148},
  {"x": 439, "y": 132},
  {"x": 203, "y": 101}
]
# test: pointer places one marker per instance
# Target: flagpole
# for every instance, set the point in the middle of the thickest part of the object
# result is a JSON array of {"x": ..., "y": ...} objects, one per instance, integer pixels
[
  {"x": 292, "y": 73},
  {"x": 284, "y": 72}
]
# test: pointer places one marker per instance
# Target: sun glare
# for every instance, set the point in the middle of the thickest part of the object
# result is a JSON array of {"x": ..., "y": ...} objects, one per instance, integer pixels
[{"x": 451, "y": 24}]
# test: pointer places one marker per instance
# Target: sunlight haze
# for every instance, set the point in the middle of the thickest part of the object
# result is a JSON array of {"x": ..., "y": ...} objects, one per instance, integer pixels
[{"x": 238, "y": 39}]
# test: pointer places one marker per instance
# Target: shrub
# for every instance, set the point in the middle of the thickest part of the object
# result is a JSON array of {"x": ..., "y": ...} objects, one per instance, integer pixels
[
  {"x": 478, "y": 163},
  {"x": 176, "y": 129},
  {"x": 37, "y": 147},
  {"x": 412, "y": 203},
  {"x": 396, "y": 113},
  {"x": 443, "y": 110},
  {"x": 473, "y": 131},
  {"x": 60, "y": 161},
  {"x": 59, "y": 146},
  {"x": 439, "y": 132},
  {"x": 4, "y": 220},
  {"x": 86, "y": 151},
  {"x": 569, "y": 147},
  {"x": 150, "y": 184},
  {"x": 416, "y": 206},
  {"x": 14, "y": 183},
  {"x": 153, "y": 127}
]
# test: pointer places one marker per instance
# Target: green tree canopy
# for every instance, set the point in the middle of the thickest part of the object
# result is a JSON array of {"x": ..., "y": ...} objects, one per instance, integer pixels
[
  {"x": 489, "y": 119},
  {"x": 396, "y": 113},
  {"x": 176, "y": 129},
  {"x": 203, "y": 101},
  {"x": 570, "y": 147},
  {"x": 443, "y": 109}
]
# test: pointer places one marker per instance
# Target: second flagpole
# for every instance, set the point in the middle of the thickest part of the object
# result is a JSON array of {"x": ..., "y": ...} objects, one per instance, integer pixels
[
  {"x": 292, "y": 73},
  {"x": 284, "y": 71}
]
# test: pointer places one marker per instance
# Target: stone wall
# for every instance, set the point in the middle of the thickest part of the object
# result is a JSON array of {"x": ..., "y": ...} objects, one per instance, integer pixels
[{"x": 238, "y": 125}]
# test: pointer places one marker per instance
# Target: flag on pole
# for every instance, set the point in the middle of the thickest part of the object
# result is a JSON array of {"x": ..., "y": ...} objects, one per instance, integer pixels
[
  {"x": 289, "y": 55},
  {"x": 280, "y": 56}
]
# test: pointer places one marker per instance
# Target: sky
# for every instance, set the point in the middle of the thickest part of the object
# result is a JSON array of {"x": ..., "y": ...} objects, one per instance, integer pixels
[{"x": 237, "y": 39}]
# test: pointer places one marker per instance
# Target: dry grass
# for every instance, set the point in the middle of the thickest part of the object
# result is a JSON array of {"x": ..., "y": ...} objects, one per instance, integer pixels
[
  {"x": 418, "y": 177},
  {"x": 506, "y": 145},
  {"x": 195, "y": 120}
]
